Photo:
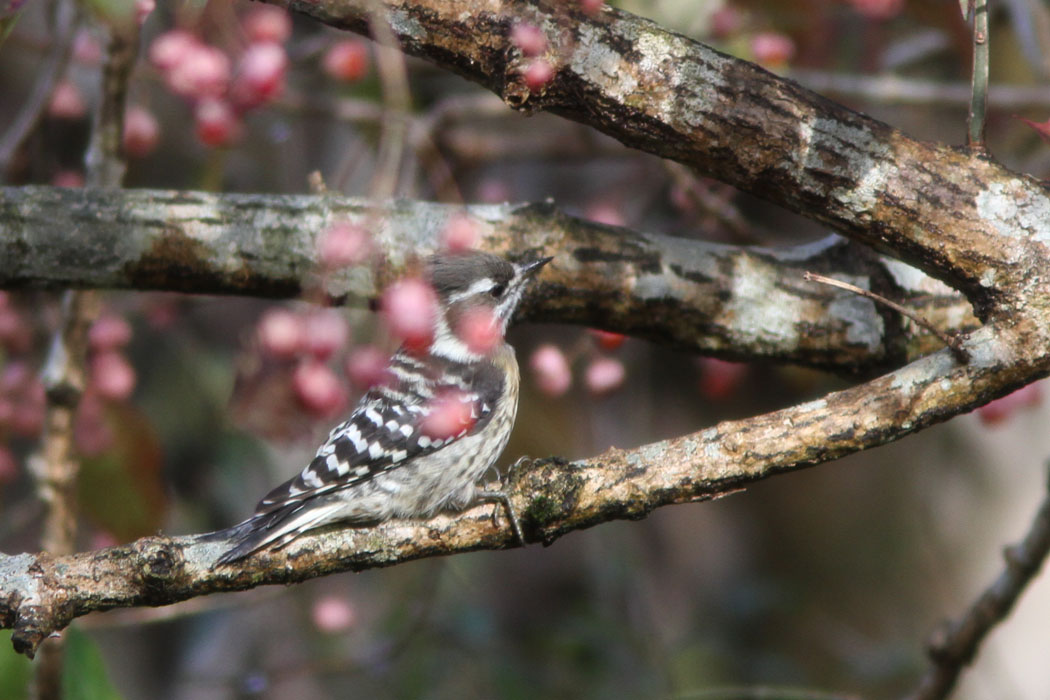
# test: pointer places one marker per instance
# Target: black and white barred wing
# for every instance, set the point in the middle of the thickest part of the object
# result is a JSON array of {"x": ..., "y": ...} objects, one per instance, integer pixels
[{"x": 384, "y": 432}]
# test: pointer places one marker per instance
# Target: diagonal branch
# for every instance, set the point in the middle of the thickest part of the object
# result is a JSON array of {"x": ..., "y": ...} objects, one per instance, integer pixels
[
  {"x": 954, "y": 214},
  {"x": 41, "y": 593},
  {"x": 724, "y": 300}
]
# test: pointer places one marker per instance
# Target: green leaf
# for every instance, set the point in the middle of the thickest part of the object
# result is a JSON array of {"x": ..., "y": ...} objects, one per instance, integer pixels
[
  {"x": 84, "y": 674},
  {"x": 15, "y": 670}
]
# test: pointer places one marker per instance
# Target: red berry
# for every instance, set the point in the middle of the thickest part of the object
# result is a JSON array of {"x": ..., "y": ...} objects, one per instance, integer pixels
[
  {"x": 718, "y": 378},
  {"x": 346, "y": 60},
  {"x": 141, "y": 132},
  {"x": 607, "y": 340},
  {"x": 551, "y": 370},
  {"x": 217, "y": 124},
  {"x": 260, "y": 74},
  {"x": 538, "y": 74},
  {"x": 409, "y": 309},
  {"x": 772, "y": 49}
]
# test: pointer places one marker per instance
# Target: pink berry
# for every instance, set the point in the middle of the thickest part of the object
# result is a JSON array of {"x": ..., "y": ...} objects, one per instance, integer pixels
[
  {"x": 171, "y": 48},
  {"x": 260, "y": 74},
  {"x": 605, "y": 213},
  {"x": 326, "y": 332},
  {"x": 448, "y": 416},
  {"x": 333, "y": 614},
  {"x": 15, "y": 377},
  {"x": 112, "y": 376},
  {"x": 538, "y": 74},
  {"x": 91, "y": 432},
  {"x": 281, "y": 333},
  {"x": 143, "y": 9},
  {"x": 726, "y": 21},
  {"x": 718, "y": 378},
  {"x": 347, "y": 60},
  {"x": 607, "y": 340},
  {"x": 30, "y": 405},
  {"x": 204, "y": 71},
  {"x": 409, "y": 309},
  {"x": 772, "y": 49},
  {"x": 66, "y": 102},
  {"x": 591, "y": 7},
  {"x": 68, "y": 178},
  {"x": 604, "y": 375},
  {"x": 318, "y": 389},
  {"x": 1001, "y": 409},
  {"x": 267, "y": 23},
  {"x": 493, "y": 191},
  {"x": 878, "y": 9},
  {"x": 11, "y": 324},
  {"x": 550, "y": 369},
  {"x": 344, "y": 244},
  {"x": 141, "y": 132},
  {"x": 480, "y": 330},
  {"x": 109, "y": 332},
  {"x": 217, "y": 124},
  {"x": 8, "y": 466},
  {"x": 460, "y": 233},
  {"x": 86, "y": 48},
  {"x": 529, "y": 38},
  {"x": 366, "y": 366}
]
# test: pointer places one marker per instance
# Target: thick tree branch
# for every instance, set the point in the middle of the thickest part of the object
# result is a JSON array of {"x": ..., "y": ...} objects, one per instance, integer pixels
[
  {"x": 942, "y": 209},
  {"x": 41, "y": 593},
  {"x": 724, "y": 300}
]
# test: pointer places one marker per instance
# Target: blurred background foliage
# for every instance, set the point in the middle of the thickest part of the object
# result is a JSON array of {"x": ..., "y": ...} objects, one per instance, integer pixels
[{"x": 827, "y": 580}]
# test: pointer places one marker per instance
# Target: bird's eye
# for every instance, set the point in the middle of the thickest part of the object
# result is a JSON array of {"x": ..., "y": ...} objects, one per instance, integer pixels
[{"x": 497, "y": 290}]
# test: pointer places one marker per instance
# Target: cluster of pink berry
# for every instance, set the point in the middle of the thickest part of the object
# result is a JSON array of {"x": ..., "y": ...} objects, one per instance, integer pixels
[
  {"x": 221, "y": 92},
  {"x": 22, "y": 401}
]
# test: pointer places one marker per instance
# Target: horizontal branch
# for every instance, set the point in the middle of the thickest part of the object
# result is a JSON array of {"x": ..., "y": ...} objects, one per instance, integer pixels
[
  {"x": 724, "y": 300},
  {"x": 41, "y": 593},
  {"x": 956, "y": 215}
]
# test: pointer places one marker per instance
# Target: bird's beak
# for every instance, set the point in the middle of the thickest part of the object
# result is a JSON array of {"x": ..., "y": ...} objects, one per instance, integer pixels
[{"x": 531, "y": 268}]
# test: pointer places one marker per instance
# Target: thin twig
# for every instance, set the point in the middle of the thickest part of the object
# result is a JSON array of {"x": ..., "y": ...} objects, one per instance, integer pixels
[
  {"x": 950, "y": 340},
  {"x": 63, "y": 375},
  {"x": 393, "y": 76},
  {"x": 955, "y": 644},
  {"x": 52, "y": 67},
  {"x": 979, "y": 96}
]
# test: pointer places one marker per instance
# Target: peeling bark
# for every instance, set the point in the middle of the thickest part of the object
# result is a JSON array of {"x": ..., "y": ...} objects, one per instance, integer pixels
[{"x": 730, "y": 301}]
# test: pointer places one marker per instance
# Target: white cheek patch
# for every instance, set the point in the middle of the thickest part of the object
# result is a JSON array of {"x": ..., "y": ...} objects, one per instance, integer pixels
[{"x": 480, "y": 286}]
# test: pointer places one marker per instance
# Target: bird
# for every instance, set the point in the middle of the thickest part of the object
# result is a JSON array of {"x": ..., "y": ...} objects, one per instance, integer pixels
[{"x": 383, "y": 462}]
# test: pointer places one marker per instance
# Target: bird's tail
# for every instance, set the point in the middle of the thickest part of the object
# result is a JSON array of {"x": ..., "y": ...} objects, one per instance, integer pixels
[{"x": 271, "y": 529}]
